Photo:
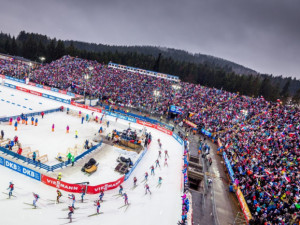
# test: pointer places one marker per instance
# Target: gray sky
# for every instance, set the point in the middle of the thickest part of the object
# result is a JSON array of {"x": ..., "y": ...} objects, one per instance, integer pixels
[{"x": 261, "y": 34}]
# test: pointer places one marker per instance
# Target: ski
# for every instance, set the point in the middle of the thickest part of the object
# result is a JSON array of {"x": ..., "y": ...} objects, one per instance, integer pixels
[
  {"x": 68, "y": 209},
  {"x": 133, "y": 187},
  {"x": 122, "y": 206},
  {"x": 8, "y": 194},
  {"x": 126, "y": 207},
  {"x": 95, "y": 214},
  {"x": 28, "y": 203},
  {"x": 116, "y": 194}
]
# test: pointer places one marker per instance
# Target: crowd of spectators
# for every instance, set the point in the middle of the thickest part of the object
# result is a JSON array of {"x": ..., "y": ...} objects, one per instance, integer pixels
[{"x": 261, "y": 138}]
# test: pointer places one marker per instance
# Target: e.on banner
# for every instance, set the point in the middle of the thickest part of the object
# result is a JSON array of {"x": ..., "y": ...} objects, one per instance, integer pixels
[
  {"x": 22, "y": 89},
  {"x": 105, "y": 187},
  {"x": 244, "y": 205},
  {"x": 75, "y": 188}
]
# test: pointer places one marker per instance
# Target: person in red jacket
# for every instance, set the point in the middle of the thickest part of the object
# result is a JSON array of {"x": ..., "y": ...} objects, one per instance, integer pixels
[
  {"x": 20, "y": 151},
  {"x": 42, "y": 114},
  {"x": 52, "y": 127}
]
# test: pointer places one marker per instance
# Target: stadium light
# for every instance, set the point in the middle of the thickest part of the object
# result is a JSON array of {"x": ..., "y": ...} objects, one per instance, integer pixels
[{"x": 42, "y": 58}]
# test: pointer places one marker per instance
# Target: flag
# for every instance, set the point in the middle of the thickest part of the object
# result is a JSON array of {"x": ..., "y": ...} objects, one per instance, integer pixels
[{"x": 287, "y": 179}]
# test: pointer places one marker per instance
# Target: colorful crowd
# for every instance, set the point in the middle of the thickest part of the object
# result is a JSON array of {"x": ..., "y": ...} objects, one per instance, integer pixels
[{"x": 260, "y": 138}]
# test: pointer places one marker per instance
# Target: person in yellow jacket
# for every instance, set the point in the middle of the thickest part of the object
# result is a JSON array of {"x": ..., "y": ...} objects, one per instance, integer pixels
[
  {"x": 59, "y": 176},
  {"x": 76, "y": 134}
]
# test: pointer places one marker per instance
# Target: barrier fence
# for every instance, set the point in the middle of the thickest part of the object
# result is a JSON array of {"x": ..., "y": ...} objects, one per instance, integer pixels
[{"x": 6, "y": 119}]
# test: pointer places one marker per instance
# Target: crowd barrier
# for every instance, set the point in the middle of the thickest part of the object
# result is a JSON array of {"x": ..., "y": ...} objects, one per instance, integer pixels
[
  {"x": 67, "y": 101},
  {"x": 40, "y": 86},
  {"x": 6, "y": 119},
  {"x": 20, "y": 169}
]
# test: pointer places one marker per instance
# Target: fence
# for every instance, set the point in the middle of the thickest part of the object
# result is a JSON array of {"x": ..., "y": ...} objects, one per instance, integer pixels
[
  {"x": 6, "y": 119},
  {"x": 42, "y": 165}
]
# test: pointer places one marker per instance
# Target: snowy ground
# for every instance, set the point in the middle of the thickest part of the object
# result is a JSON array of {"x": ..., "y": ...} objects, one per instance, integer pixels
[
  {"x": 162, "y": 207},
  {"x": 15, "y": 102}
]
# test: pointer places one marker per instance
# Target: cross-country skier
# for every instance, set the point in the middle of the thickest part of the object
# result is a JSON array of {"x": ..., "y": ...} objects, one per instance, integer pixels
[
  {"x": 152, "y": 170},
  {"x": 97, "y": 203},
  {"x": 36, "y": 197},
  {"x": 147, "y": 189},
  {"x": 82, "y": 193},
  {"x": 157, "y": 163},
  {"x": 36, "y": 122},
  {"x": 72, "y": 197},
  {"x": 71, "y": 211},
  {"x": 32, "y": 120},
  {"x": 159, "y": 181},
  {"x": 166, "y": 162},
  {"x": 134, "y": 181},
  {"x": 58, "y": 195},
  {"x": 120, "y": 190},
  {"x": 159, "y": 145},
  {"x": 125, "y": 199},
  {"x": 166, "y": 154},
  {"x": 159, "y": 153},
  {"x": 101, "y": 196},
  {"x": 11, "y": 188},
  {"x": 146, "y": 176},
  {"x": 53, "y": 127}
]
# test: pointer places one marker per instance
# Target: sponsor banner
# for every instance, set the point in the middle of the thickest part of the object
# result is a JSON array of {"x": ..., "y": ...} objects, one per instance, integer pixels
[
  {"x": 70, "y": 94},
  {"x": 93, "y": 109},
  {"x": 46, "y": 88},
  {"x": 62, "y": 92},
  {"x": 74, "y": 188},
  {"x": 39, "y": 86},
  {"x": 244, "y": 205},
  {"x": 229, "y": 168},
  {"x": 35, "y": 92},
  {"x": 20, "y": 169},
  {"x": 205, "y": 132},
  {"x": 32, "y": 84},
  {"x": 10, "y": 85},
  {"x": 190, "y": 123},
  {"x": 54, "y": 89},
  {"x": 105, "y": 187},
  {"x": 164, "y": 130},
  {"x": 22, "y": 89},
  {"x": 176, "y": 109},
  {"x": 67, "y": 101},
  {"x": 15, "y": 79},
  {"x": 78, "y": 105},
  {"x": 177, "y": 138},
  {"x": 2, "y": 76},
  {"x": 135, "y": 164},
  {"x": 144, "y": 123}
]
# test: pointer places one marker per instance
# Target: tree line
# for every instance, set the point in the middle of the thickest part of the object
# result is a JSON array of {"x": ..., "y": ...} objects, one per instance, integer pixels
[{"x": 33, "y": 46}]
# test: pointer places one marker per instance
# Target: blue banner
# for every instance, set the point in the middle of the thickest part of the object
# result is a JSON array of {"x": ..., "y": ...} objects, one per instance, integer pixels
[
  {"x": 127, "y": 175},
  {"x": 71, "y": 94},
  {"x": 176, "y": 109},
  {"x": 39, "y": 86},
  {"x": 15, "y": 79},
  {"x": 177, "y": 138},
  {"x": 20, "y": 169},
  {"x": 54, "y": 89},
  {"x": 10, "y": 85},
  {"x": 133, "y": 120},
  {"x": 229, "y": 168},
  {"x": 56, "y": 98},
  {"x": 205, "y": 132}
]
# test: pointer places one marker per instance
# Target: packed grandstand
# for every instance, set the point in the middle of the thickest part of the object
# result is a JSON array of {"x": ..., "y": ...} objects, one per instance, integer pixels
[{"x": 260, "y": 138}]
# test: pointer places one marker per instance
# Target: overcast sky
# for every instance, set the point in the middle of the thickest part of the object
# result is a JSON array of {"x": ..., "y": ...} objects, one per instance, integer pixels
[{"x": 261, "y": 34}]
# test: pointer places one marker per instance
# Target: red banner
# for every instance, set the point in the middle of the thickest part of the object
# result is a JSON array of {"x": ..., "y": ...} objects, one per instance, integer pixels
[
  {"x": 2, "y": 76},
  {"x": 147, "y": 124},
  {"x": 243, "y": 204},
  {"x": 94, "y": 109},
  {"x": 31, "y": 83},
  {"x": 35, "y": 93},
  {"x": 78, "y": 105},
  {"x": 75, "y": 188},
  {"x": 105, "y": 187},
  {"x": 62, "y": 92},
  {"x": 22, "y": 89},
  {"x": 47, "y": 88},
  {"x": 164, "y": 130}
]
